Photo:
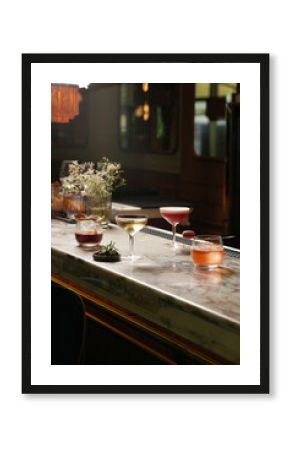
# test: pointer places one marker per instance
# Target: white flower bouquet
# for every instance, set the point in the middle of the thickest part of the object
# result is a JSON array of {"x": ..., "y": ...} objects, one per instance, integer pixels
[
  {"x": 93, "y": 179},
  {"x": 94, "y": 182}
]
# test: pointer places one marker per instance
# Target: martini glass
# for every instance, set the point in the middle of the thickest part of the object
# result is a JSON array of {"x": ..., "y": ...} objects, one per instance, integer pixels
[
  {"x": 131, "y": 223},
  {"x": 174, "y": 215}
]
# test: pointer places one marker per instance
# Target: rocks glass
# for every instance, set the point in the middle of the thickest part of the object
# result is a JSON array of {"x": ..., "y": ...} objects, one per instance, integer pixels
[
  {"x": 207, "y": 251},
  {"x": 88, "y": 233}
]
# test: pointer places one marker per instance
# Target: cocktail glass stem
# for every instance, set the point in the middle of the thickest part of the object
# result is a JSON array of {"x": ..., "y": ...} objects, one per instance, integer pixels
[
  {"x": 174, "y": 235},
  {"x": 131, "y": 246}
]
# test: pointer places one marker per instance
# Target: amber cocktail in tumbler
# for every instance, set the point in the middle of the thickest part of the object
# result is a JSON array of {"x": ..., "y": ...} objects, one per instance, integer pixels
[{"x": 207, "y": 251}]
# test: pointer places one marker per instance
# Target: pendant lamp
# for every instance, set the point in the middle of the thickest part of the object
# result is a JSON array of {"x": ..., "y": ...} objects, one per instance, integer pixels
[{"x": 65, "y": 100}]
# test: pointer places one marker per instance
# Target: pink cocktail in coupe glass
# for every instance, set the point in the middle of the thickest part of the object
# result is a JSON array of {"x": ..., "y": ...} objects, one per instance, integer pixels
[{"x": 174, "y": 215}]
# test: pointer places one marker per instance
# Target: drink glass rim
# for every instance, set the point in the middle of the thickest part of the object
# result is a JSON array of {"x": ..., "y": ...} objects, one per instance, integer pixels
[
  {"x": 132, "y": 216},
  {"x": 173, "y": 209},
  {"x": 203, "y": 238}
]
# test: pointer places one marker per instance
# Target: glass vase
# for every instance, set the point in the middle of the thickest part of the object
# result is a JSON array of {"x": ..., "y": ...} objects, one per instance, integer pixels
[{"x": 100, "y": 207}]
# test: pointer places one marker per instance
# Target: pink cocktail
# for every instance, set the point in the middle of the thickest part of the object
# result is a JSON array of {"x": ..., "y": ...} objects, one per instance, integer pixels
[{"x": 174, "y": 215}]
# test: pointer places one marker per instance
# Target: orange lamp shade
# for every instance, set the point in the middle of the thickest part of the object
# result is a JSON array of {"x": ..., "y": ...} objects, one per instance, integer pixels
[{"x": 65, "y": 101}]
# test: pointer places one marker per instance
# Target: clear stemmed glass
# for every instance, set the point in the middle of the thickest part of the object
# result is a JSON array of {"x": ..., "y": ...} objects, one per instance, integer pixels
[
  {"x": 131, "y": 223},
  {"x": 174, "y": 215}
]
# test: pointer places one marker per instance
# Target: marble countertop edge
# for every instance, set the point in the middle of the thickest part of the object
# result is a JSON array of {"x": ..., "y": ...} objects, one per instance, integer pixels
[{"x": 184, "y": 304}]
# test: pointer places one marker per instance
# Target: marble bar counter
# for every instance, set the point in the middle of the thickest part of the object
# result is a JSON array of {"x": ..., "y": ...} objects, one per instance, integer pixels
[{"x": 201, "y": 308}]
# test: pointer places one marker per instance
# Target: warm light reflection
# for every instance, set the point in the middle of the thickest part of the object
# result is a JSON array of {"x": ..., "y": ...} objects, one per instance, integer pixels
[
  {"x": 146, "y": 112},
  {"x": 145, "y": 87},
  {"x": 65, "y": 99},
  {"x": 138, "y": 112}
]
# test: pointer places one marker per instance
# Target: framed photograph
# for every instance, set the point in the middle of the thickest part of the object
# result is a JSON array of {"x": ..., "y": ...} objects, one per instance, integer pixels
[{"x": 152, "y": 251}]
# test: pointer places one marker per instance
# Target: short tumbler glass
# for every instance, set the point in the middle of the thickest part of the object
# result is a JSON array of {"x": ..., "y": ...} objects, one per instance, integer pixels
[
  {"x": 88, "y": 233},
  {"x": 207, "y": 251}
]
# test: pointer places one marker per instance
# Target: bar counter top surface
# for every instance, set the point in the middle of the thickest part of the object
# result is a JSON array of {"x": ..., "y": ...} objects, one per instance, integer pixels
[{"x": 163, "y": 287}]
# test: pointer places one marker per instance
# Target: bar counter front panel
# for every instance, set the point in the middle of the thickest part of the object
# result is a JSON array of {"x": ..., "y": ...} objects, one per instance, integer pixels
[{"x": 160, "y": 303}]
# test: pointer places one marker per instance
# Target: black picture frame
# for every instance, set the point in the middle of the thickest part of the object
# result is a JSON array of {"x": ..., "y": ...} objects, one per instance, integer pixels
[{"x": 263, "y": 61}]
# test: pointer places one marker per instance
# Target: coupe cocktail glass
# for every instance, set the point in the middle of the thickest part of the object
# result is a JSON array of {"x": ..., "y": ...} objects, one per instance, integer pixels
[
  {"x": 131, "y": 224},
  {"x": 174, "y": 215}
]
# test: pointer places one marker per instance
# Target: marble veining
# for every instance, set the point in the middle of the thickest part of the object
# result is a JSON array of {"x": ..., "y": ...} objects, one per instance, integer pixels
[{"x": 163, "y": 286}]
